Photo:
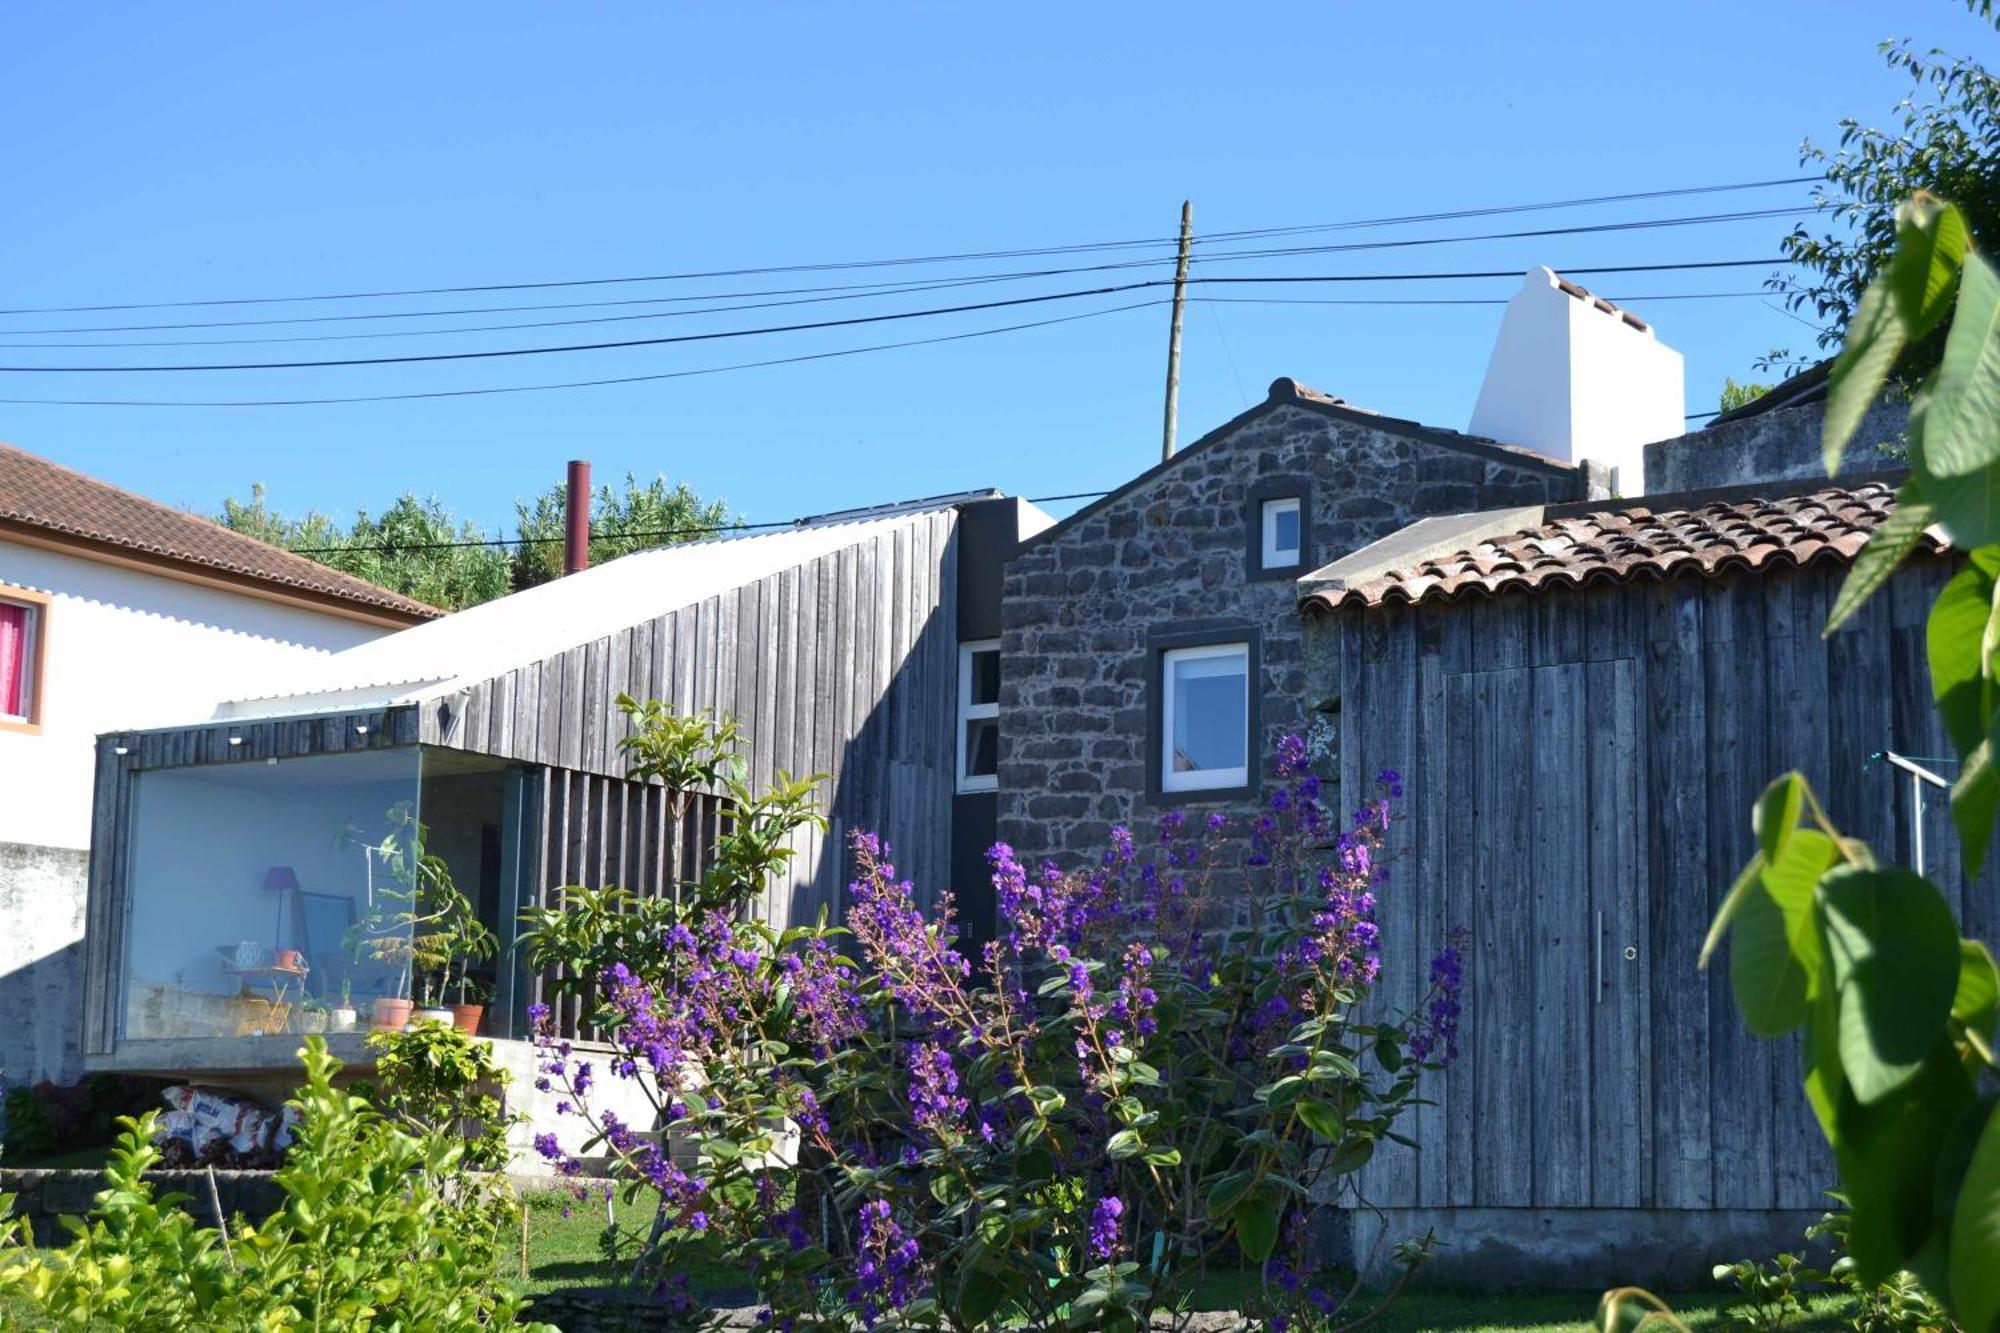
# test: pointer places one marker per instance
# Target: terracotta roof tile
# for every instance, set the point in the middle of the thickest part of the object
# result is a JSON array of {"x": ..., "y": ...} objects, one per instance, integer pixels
[
  {"x": 1623, "y": 545},
  {"x": 38, "y": 495}
]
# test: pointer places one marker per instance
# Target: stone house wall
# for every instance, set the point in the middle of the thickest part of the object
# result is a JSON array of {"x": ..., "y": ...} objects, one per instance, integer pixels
[{"x": 1084, "y": 604}]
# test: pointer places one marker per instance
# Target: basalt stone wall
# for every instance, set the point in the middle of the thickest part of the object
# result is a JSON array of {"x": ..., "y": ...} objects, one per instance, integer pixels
[{"x": 1086, "y": 604}]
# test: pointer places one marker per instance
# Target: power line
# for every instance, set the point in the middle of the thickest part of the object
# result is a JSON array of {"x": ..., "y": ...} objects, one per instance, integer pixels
[
  {"x": 573, "y": 384},
  {"x": 862, "y": 291},
  {"x": 962, "y": 257},
  {"x": 847, "y": 322}
]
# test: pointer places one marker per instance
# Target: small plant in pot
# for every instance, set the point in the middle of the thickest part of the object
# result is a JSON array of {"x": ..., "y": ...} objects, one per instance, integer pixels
[
  {"x": 312, "y": 1016},
  {"x": 342, "y": 1017}
]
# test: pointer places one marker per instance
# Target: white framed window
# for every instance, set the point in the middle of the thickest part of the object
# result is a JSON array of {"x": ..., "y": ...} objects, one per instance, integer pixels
[
  {"x": 979, "y": 715},
  {"x": 1205, "y": 717},
  {"x": 23, "y": 643},
  {"x": 1281, "y": 532}
]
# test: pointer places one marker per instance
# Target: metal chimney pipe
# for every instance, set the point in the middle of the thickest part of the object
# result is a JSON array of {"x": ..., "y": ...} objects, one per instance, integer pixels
[{"x": 576, "y": 519}]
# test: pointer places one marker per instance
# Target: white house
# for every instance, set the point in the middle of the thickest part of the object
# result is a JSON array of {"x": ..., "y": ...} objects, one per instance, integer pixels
[{"x": 118, "y": 613}]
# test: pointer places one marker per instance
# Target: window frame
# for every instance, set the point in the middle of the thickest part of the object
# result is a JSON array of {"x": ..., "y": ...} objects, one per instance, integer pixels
[
  {"x": 36, "y": 658},
  {"x": 1161, "y": 786},
  {"x": 1269, "y": 511},
  {"x": 967, "y": 711},
  {"x": 1255, "y": 565}
]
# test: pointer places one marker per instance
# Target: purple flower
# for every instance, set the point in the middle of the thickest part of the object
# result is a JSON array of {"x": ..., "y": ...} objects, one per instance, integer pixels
[{"x": 1104, "y": 1226}]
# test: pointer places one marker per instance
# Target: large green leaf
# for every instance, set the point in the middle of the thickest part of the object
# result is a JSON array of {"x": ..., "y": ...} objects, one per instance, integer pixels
[
  {"x": 979, "y": 1295},
  {"x": 1777, "y": 812},
  {"x": 1888, "y": 1157},
  {"x": 1953, "y": 633},
  {"x": 1773, "y": 944},
  {"x": 1957, "y": 453},
  {"x": 1893, "y": 948},
  {"x": 1257, "y": 1228},
  {"x": 1976, "y": 1003},
  {"x": 1904, "y": 303},
  {"x": 1975, "y": 800},
  {"x": 1975, "y": 1236},
  {"x": 1887, "y": 547},
  {"x": 1322, "y": 1119}
]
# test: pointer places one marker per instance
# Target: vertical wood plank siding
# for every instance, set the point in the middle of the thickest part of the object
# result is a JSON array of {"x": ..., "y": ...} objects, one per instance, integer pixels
[
  {"x": 845, "y": 665},
  {"x": 1579, "y": 768}
]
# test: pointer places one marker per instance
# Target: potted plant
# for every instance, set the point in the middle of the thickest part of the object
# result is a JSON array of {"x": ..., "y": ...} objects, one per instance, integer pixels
[
  {"x": 312, "y": 1016},
  {"x": 406, "y": 927},
  {"x": 472, "y": 943},
  {"x": 342, "y": 1018},
  {"x": 470, "y": 1010}
]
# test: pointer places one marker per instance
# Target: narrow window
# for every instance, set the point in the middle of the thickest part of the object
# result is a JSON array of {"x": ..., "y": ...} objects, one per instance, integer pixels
[
  {"x": 1281, "y": 533},
  {"x": 979, "y": 715},
  {"x": 1205, "y": 717},
  {"x": 22, "y": 631}
]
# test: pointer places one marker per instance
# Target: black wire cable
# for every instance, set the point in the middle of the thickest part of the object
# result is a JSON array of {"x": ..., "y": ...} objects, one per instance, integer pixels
[
  {"x": 812, "y": 325},
  {"x": 576, "y": 384},
  {"x": 862, "y": 291},
  {"x": 967, "y": 256}
]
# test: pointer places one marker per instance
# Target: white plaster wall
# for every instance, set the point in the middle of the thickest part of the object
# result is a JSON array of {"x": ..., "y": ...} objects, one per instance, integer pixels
[
  {"x": 126, "y": 649},
  {"x": 1575, "y": 382}
]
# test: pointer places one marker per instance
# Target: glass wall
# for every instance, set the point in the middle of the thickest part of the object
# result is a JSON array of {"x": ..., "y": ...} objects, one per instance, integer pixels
[{"x": 271, "y": 897}]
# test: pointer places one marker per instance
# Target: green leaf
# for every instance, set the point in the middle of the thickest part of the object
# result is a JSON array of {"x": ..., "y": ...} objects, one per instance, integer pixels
[
  {"x": 1975, "y": 799},
  {"x": 1777, "y": 812},
  {"x": 1226, "y": 1190},
  {"x": 1952, "y": 635},
  {"x": 1888, "y": 546},
  {"x": 1975, "y": 1236},
  {"x": 1322, "y": 1119},
  {"x": 1257, "y": 1229},
  {"x": 1732, "y": 903},
  {"x": 1125, "y": 1143},
  {"x": 1875, "y": 338},
  {"x": 1904, "y": 303},
  {"x": 1893, "y": 947},
  {"x": 1977, "y": 1001},
  {"x": 978, "y": 1297},
  {"x": 1959, "y": 446},
  {"x": 1888, "y": 1155},
  {"x": 1774, "y": 945},
  {"x": 1351, "y": 1156}
]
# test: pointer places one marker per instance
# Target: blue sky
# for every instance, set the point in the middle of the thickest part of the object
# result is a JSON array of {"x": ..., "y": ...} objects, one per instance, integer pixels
[{"x": 198, "y": 151}]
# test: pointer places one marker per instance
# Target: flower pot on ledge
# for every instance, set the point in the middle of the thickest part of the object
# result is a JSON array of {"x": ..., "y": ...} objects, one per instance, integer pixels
[
  {"x": 433, "y": 1013},
  {"x": 466, "y": 1017},
  {"x": 391, "y": 1013}
]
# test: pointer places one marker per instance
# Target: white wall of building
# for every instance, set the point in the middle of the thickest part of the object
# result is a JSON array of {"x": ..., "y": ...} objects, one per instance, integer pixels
[
  {"x": 1576, "y": 382},
  {"x": 128, "y": 649},
  {"x": 124, "y": 649}
]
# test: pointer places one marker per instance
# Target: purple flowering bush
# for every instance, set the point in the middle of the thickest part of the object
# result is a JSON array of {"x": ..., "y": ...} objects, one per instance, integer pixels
[{"x": 1168, "y": 1062}]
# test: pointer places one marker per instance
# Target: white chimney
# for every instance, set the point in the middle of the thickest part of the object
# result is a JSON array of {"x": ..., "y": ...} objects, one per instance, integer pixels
[{"x": 1577, "y": 378}]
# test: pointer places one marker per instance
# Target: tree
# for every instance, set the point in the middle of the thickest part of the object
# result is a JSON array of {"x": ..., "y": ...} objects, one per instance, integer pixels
[
  {"x": 418, "y": 548},
  {"x": 644, "y": 516},
  {"x": 1736, "y": 395},
  {"x": 1945, "y": 140}
]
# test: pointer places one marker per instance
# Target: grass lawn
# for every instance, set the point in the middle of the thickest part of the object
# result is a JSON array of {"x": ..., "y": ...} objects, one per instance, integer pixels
[{"x": 568, "y": 1252}]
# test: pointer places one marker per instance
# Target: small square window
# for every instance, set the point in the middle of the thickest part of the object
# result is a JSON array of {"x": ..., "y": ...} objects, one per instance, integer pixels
[
  {"x": 979, "y": 715},
  {"x": 23, "y": 632},
  {"x": 1205, "y": 717},
  {"x": 1281, "y": 533}
]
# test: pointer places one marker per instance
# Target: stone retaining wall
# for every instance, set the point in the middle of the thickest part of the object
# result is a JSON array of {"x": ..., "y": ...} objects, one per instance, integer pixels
[{"x": 43, "y": 1196}]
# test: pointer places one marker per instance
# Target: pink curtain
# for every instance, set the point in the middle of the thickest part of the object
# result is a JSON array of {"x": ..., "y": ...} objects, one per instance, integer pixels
[{"x": 13, "y": 658}]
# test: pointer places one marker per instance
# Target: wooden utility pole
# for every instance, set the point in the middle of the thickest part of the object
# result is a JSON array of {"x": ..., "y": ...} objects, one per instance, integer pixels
[{"x": 1174, "y": 336}]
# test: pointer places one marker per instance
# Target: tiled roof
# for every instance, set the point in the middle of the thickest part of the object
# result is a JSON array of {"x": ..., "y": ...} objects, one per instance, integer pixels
[
  {"x": 1640, "y": 541},
  {"x": 39, "y": 496}
]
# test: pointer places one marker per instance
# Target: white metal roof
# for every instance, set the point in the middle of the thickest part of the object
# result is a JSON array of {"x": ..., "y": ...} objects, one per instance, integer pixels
[{"x": 487, "y": 640}]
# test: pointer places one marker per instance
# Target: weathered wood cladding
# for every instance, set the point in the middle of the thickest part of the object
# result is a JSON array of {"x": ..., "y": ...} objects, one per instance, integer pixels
[
  {"x": 1579, "y": 768},
  {"x": 111, "y": 819},
  {"x": 844, "y": 665},
  {"x": 597, "y": 832}
]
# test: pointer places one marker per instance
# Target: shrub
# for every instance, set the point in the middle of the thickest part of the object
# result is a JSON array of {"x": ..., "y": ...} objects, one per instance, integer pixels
[
  {"x": 380, "y": 1230},
  {"x": 1778, "y": 1295},
  {"x": 1158, "y": 1067},
  {"x": 433, "y": 1079}
]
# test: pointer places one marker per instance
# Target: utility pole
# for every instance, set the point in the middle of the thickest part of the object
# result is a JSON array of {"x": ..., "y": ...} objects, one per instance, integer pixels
[{"x": 1174, "y": 337}]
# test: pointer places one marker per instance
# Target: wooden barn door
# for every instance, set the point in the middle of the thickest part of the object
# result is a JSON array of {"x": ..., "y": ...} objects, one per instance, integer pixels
[{"x": 1544, "y": 861}]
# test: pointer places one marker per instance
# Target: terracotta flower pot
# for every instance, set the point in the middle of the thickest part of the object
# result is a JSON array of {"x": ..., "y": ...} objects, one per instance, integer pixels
[
  {"x": 391, "y": 1013},
  {"x": 465, "y": 1017}
]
